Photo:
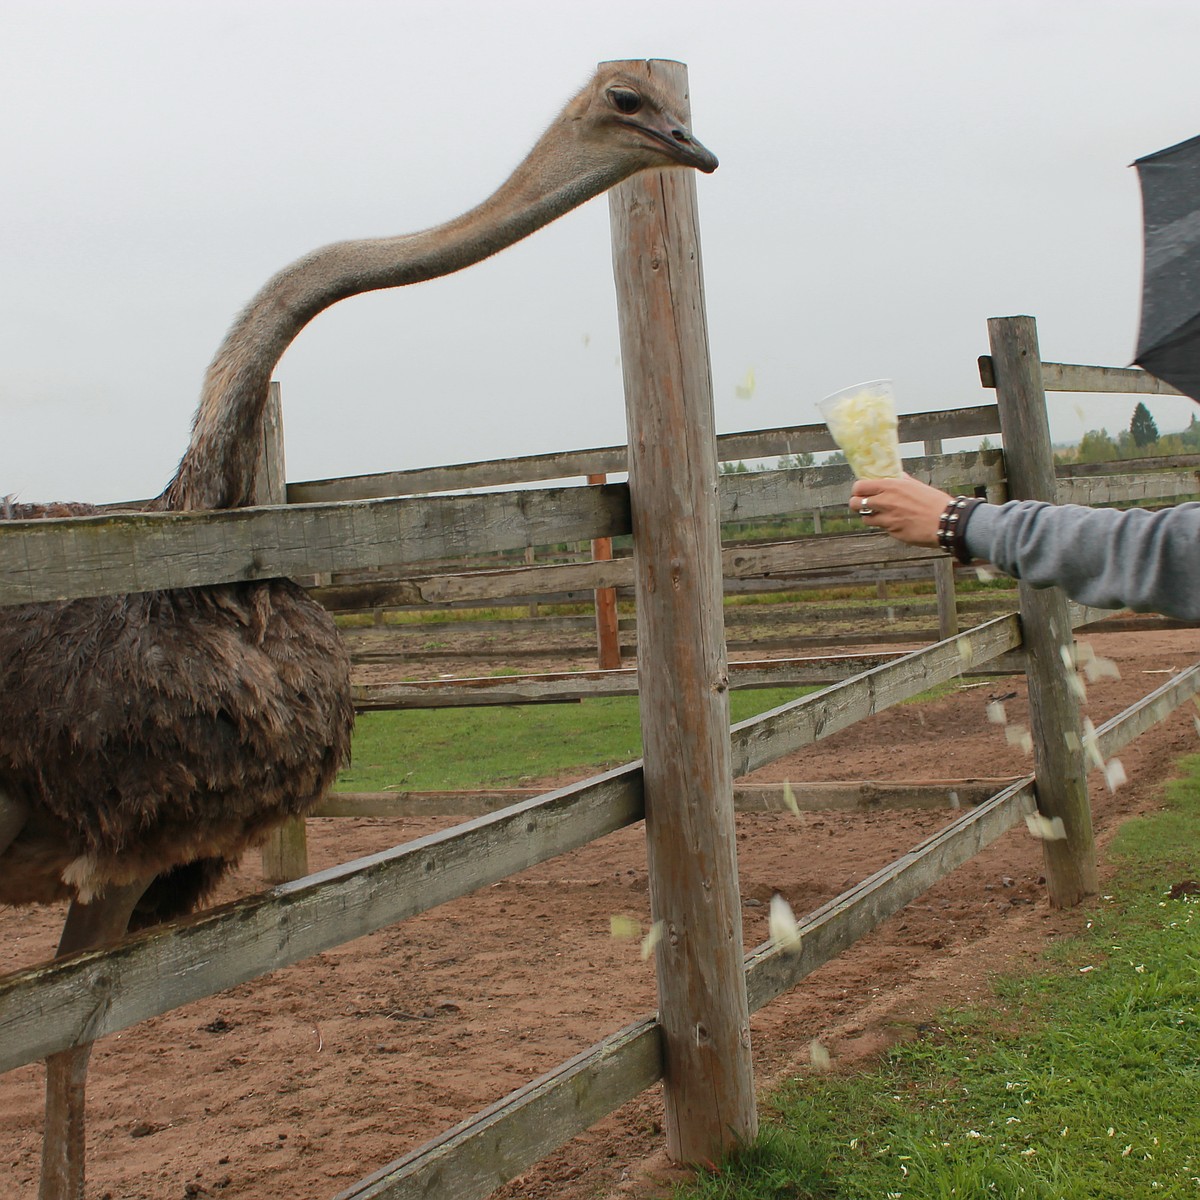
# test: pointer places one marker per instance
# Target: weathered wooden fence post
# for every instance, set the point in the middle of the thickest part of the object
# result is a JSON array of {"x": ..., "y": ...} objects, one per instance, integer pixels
[
  {"x": 682, "y": 672},
  {"x": 608, "y": 636},
  {"x": 285, "y": 852},
  {"x": 943, "y": 575},
  {"x": 1045, "y": 621}
]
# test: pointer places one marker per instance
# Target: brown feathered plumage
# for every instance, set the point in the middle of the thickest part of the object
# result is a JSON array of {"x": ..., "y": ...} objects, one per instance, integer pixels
[{"x": 161, "y": 729}]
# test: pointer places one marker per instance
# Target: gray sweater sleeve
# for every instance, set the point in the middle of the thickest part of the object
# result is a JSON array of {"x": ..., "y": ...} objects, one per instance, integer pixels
[{"x": 1148, "y": 561}]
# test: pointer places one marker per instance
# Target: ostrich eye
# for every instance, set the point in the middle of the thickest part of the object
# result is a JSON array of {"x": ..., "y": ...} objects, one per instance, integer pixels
[{"x": 625, "y": 100}]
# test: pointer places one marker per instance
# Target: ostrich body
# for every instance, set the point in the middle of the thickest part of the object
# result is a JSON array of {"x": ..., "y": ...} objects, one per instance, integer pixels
[{"x": 146, "y": 740}]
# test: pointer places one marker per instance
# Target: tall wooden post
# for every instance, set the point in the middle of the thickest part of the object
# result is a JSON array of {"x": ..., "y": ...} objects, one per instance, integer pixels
[
  {"x": 608, "y": 638},
  {"x": 943, "y": 575},
  {"x": 1045, "y": 621},
  {"x": 285, "y": 852},
  {"x": 682, "y": 672}
]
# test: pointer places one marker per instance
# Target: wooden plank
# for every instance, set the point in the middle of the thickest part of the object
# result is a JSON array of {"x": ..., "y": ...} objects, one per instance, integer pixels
[
  {"x": 480, "y": 1154},
  {"x": 753, "y": 445},
  {"x": 770, "y": 971},
  {"x": 770, "y": 736},
  {"x": 1122, "y": 466},
  {"x": 738, "y": 561},
  {"x": 74, "y": 1000},
  {"x": 608, "y": 644},
  {"x": 492, "y": 473},
  {"x": 1147, "y": 712},
  {"x": 867, "y": 795},
  {"x": 1073, "y": 377},
  {"x": 838, "y": 796},
  {"x": 1054, "y": 717},
  {"x": 833, "y": 927},
  {"x": 130, "y": 552},
  {"x": 1129, "y": 489},
  {"x": 756, "y": 494},
  {"x": 691, "y": 844},
  {"x": 285, "y": 851},
  {"x": 489, "y": 1149},
  {"x": 580, "y": 685}
]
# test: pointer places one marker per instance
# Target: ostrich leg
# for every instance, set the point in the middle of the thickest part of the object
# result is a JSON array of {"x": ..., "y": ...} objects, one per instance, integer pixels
[{"x": 87, "y": 926}]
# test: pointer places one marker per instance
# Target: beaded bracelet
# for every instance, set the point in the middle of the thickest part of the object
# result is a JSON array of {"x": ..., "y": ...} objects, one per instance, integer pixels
[{"x": 952, "y": 525}]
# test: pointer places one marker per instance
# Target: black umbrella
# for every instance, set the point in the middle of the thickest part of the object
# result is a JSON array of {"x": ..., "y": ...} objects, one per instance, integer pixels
[{"x": 1169, "y": 338}]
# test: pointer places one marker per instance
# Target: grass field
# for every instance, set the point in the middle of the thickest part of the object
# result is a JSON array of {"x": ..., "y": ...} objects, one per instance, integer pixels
[
  {"x": 1079, "y": 1082},
  {"x": 437, "y": 749}
]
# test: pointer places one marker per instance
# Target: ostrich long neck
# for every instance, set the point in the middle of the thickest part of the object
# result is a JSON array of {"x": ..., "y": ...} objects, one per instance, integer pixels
[{"x": 217, "y": 470}]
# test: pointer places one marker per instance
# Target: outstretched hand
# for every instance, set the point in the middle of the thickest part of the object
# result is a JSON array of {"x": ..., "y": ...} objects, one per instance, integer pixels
[{"x": 906, "y": 508}]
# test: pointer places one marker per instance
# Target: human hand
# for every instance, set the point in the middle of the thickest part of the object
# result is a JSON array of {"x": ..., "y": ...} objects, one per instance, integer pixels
[{"x": 906, "y": 508}]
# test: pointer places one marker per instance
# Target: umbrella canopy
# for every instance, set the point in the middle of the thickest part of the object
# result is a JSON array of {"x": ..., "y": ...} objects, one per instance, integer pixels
[{"x": 1169, "y": 337}]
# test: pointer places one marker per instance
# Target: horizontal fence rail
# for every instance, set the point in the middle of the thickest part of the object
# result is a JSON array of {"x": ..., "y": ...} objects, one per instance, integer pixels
[
  {"x": 975, "y": 421},
  {"x": 1074, "y": 377},
  {"x": 866, "y": 795},
  {"x": 120, "y": 552},
  {"x": 73, "y": 1000},
  {"x": 481, "y": 1153}
]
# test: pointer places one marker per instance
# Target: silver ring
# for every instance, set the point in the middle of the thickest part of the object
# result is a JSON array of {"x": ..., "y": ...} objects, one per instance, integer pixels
[{"x": 863, "y": 510}]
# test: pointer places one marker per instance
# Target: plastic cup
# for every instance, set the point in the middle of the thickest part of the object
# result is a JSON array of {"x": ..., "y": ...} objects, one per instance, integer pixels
[{"x": 862, "y": 420}]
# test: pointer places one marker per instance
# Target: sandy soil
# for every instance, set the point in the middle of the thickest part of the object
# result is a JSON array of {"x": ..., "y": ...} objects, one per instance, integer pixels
[{"x": 302, "y": 1082}]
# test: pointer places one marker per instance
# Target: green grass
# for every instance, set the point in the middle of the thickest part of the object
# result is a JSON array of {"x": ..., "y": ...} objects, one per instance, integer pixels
[
  {"x": 454, "y": 748},
  {"x": 1078, "y": 1082}
]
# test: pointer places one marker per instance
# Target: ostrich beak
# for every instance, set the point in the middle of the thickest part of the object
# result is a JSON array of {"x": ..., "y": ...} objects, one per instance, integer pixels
[{"x": 675, "y": 140}]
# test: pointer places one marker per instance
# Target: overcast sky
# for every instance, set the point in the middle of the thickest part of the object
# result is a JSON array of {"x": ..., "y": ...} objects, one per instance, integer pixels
[{"x": 892, "y": 174}]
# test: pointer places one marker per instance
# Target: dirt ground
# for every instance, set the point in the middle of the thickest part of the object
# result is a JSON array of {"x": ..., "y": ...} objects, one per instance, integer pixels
[{"x": 302, "y": 1082}]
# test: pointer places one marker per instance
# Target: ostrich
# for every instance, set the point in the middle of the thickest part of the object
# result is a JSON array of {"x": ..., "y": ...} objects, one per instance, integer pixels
[{"x": 146, "y": 740}]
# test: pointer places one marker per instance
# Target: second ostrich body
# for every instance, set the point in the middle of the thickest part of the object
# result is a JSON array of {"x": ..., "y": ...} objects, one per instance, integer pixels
[{"x": 146, "y": 740}]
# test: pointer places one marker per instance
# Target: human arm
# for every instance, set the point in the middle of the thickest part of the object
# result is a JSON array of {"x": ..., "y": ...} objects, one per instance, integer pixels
[{"x": 1148, "y": 561}]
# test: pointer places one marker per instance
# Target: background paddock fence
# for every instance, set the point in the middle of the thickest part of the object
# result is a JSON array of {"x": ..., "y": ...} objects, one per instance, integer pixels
[{"x": 349, "y": 535}]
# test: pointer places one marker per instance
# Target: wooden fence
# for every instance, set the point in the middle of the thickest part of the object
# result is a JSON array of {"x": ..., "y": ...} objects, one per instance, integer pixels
[{"x": 64, "y": 1003}]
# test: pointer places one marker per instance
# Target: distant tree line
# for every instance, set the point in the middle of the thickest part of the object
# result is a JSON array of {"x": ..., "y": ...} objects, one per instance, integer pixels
[{"x": 1140, "y": 440}]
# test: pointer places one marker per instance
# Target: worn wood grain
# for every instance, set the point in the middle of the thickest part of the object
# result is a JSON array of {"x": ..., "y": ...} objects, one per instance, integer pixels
[
  {"x": 130, "y": 552},
  {"x": 750, "y": 445},
  {"x": 581, "y": 685},
  {"x": 1130, "y": 488},
  {"x": 476, "y": 1156},
  {"x": 770, "y": 736},
  {"x": 1074, "y": 377},
  {"x": 1054, "y": 717},
  {"x": 70, "y": 1001},
  {"x": 855, "y": 796},
  {"x": 684, "y": 695},
  {"x": 285, "y": 851},
  {"x": 830, "y": 929}
]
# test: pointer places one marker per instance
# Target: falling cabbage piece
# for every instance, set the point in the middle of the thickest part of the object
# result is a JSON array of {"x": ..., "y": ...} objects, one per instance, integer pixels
[
  {"x": 1090, "y": 748},
  {"x": 624, "y": 927},
  {"x": 819, "y": 1056},
  {"x": 651, "y": 940},
  {"x": 782, "y": 928},
  {"x": 745, "y": 389},
  {"x": 862, "y": 420},
  {"x": 1093, "y": 665},
  {"x": 1018, "y": 735},
  {"x": 1114, "y": 774},
  {"x": 1049, "y": 829},
  {"x": 996, "y": 713},
  {"x": 1074, "y": 681},
  {"x": 789, "y": 798}
]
